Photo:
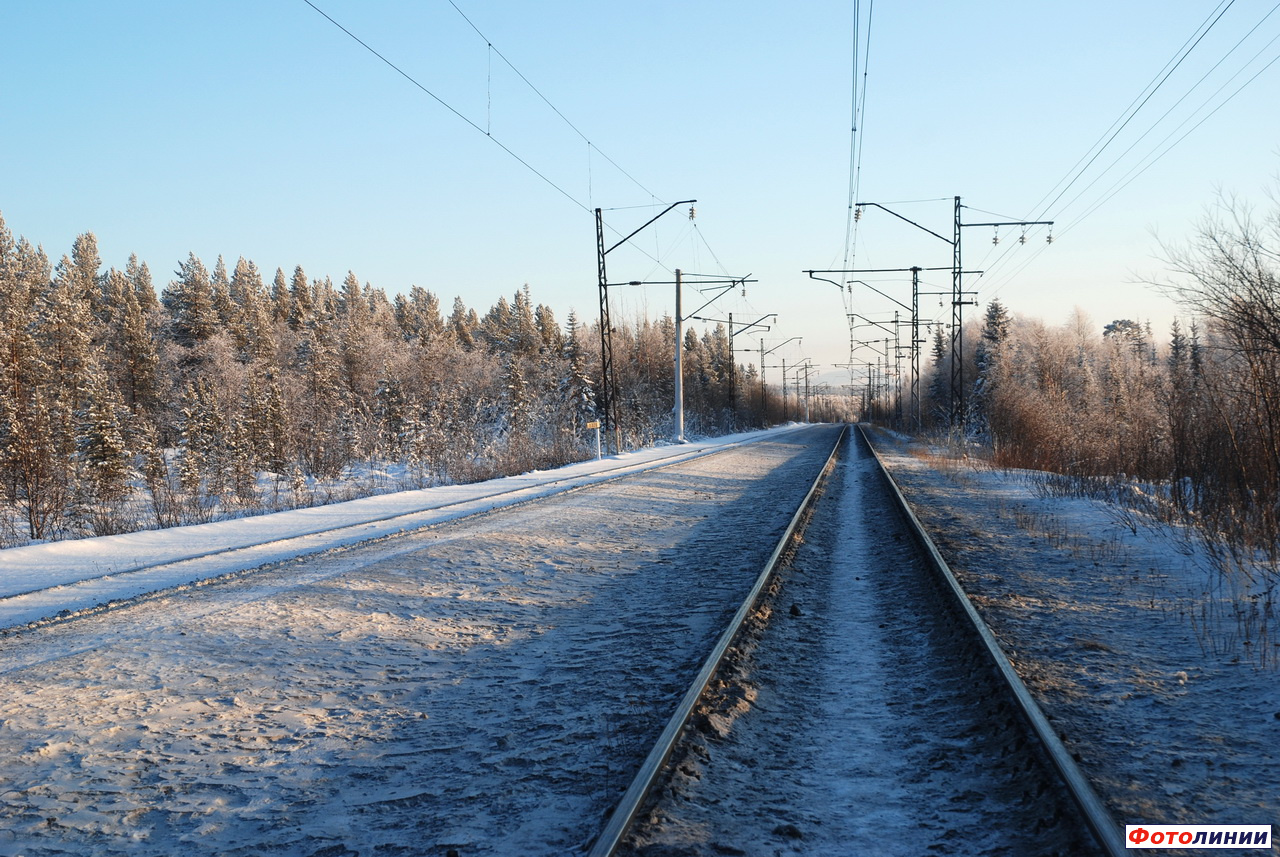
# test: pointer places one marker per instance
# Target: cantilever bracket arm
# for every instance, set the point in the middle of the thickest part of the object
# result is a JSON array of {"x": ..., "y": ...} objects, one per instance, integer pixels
[
  {"x": 908, "y": 220},
  {"x": 650, "y": 220},
  {"x": 839, "y": 286}
]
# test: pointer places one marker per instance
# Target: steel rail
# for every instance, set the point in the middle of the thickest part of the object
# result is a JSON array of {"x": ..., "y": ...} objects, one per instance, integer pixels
[
  {"x": 1096, "y": 816},
  {"x": 615, "y": 830}
]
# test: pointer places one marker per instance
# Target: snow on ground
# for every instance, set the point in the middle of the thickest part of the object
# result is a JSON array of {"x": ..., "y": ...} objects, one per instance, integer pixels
[
  {"x": 853, "y": 717},
  {"x": 1121, "y": 630},
  {"x": 44, "y": 580},
  {"x": 487, "y": 685}
]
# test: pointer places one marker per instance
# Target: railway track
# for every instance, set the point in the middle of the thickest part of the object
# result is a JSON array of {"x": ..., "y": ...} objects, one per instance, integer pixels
[
  {"x": 967, "y": 761},
  {"x": 156, "y": 571},
  {"x": 486, "y": 686}
]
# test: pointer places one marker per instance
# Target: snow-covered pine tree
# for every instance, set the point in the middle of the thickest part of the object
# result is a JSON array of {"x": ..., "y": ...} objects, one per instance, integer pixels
[
  {"x": 202, "y": 462},
  {"x": 462, "y": 325},
  {"x": 143, "y": 289},
  {"x": 33, "y": 467},
  {"x": 522, "y": 335},
  {"x": 989, "y": 354},
  {"x": 495, "y": 329},
  {"x": 266, "y": 434},
  {"x": 103, "y": 456},
  {"x": 252, "y": 326},
  {"x": 548, "y": 330},
  {"x": 300, "y": 299},
  {"x": 322, "y": 408},
  {"x": 390, "y": 409},
  {"x": 227, "y": 309},
  {"x": 104, "y": 461},
  {"x": 576, "y": 388},
  {"x": 82, "y": 272},
  {"x": 189, "y": 300},
  {"x": 65, "y": 330},
  {"x": 940, "y": 378},
  {"x": 281, "y": 301},
  {"x": 157, "y": 477},
  {"x": 129, "y": 350}
]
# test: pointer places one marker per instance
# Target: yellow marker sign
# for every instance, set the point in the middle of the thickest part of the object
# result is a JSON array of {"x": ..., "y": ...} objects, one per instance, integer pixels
[{"x": 593, "y": 424}]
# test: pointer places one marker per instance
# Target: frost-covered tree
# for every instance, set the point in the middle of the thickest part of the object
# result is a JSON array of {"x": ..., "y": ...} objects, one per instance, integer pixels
[
  {"x": 103, "y": 454},
  {"x": 522, "y": 336},
  {"x": 252, "y": 318},
  {"x": 988, "y": 357},
  {"x": 462, "y": 325},
  {"x": 281, "y": 301},
  {"x": 301, "y": 302},
  {"x": 189, "y": 302}
]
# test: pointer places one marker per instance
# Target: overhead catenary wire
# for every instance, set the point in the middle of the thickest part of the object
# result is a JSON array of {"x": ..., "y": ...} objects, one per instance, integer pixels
[
  {"x": 1009, "y": 277},
  {"x": 1148, "y": 161},
  {"x": 547, "y": 101},
  {"x": 1183, "y": 98},
  {"x": 446, "y": 105},
  {"x": 857, "y": 134},
  {"x": 566, "y": 194}
]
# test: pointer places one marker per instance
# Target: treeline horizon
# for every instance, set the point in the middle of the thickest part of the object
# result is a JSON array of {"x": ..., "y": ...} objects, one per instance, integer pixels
[{"x": 124, "y": 406}]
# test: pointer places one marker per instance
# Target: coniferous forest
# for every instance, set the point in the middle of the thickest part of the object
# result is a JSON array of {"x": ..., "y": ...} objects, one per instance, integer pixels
[{"x": 128, "y": 403}]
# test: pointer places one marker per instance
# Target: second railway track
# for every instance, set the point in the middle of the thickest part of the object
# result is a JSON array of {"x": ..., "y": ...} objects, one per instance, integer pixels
[
  {"x": 485, "y": 686},
  {"x": 863, "y": 708}
]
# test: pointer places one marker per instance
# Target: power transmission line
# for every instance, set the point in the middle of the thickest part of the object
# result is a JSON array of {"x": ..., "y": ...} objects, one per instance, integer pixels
[
  {"x": 1156, "y": 153},
  {"x": 1180, "y": 100},
  {"x": 1140, "y": 168},
  {"x": 1132, "y": 110}
]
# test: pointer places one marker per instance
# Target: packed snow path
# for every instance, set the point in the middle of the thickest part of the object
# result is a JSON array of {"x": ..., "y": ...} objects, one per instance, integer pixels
[
  {"x": 857, "y": 716},
  {"x": 486, "y": 686}
]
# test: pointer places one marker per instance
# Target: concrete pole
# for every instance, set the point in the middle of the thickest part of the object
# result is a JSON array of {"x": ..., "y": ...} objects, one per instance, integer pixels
[
  {"x": 784, "y": 391},
  {"x": 678, "y": 411}
]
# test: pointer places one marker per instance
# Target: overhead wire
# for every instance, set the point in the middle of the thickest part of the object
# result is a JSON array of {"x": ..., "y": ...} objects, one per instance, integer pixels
[
  {"x": 1156, "y": 153},
  {"x": 446, "y": 105},
  {"x": 1148, "y": 161},
  {"x": 1128, "y": 179},
  {"x": 1183, "y": 98},
  {"x": 857, "y": 136},
  {"x": 1129, "y": 112},
  {"x": 566, "y": 194},
  {"x": 547, "y": 101}
]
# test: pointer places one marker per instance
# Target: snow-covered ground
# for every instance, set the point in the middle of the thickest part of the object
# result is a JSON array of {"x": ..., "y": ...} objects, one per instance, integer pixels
[
  {"x": 1131, "y": 640},
  {"x": 486, "y": 685},
  {"x": 59, "y": 578}
]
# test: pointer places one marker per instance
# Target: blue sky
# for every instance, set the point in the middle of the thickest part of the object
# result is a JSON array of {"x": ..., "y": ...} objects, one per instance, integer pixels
[{"x": 259, "y": 129}]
